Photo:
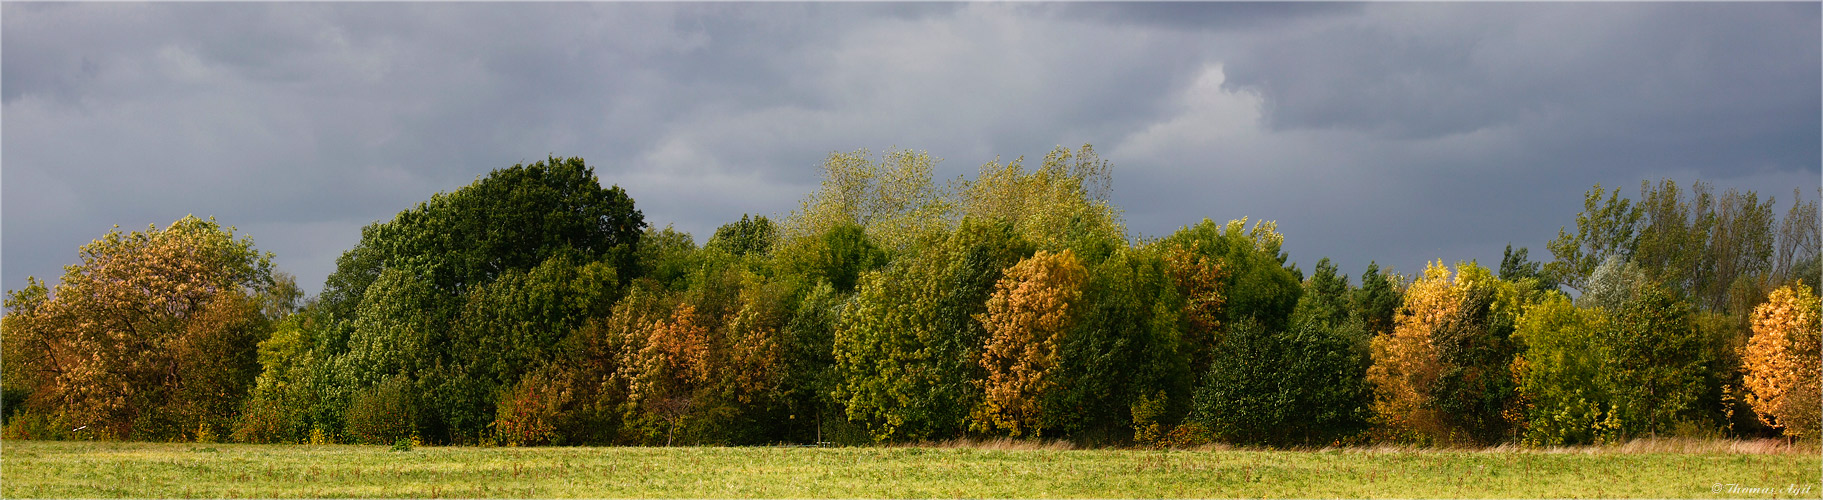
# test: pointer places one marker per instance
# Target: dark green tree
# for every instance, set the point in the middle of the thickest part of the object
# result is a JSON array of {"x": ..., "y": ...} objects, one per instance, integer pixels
[
  {"x": 1304, "y": 386},
  {"x": 1376, "y": 303},
  {"x": 837, "y": 256},
  {"x": 416, "y": 297},
  {"x": 1658, "y": 363},
  {"x": 514, "y": 218},
  {"x": 1124, "y": 347},
  {"x": 1326, "y": 296},
  {"x": 1515, "y": 267}
]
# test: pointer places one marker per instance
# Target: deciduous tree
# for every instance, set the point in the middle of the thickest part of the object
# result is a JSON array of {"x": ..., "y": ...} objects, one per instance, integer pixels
[
  {"x": 1034, "y": 307},
  {"x": 1781, "y": 361},
  {"x": 907, "y": 346},
  {"x": 152, "y": 335}
]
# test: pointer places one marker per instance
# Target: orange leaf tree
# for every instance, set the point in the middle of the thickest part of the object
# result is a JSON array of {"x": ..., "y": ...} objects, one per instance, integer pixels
[
  {"x": 1781, "y": 362},
  {"x": 1033, "y": 307}
]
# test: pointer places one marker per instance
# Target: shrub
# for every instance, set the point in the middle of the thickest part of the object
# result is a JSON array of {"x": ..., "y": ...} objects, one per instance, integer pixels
[
  {"x": 1149, "y": 425},
  {"x": 1304, "y": 386},
  {"x": 28, "y": 425},
  {"x": 528, "y": 415},
  {"x": 383, "y": 413}
]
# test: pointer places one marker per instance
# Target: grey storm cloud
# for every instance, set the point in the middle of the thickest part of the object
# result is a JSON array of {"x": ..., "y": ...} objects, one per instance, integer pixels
[{"x": 1389, "y": 132}]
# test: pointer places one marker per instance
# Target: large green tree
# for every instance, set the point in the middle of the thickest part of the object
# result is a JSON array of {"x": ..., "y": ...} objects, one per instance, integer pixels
[{"x": 461, "y": 295}]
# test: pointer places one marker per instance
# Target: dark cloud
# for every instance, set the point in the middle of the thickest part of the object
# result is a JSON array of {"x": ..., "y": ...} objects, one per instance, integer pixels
[
  {"x": 1207, "y": 15},
  {"x": 1419, "y": 71},
  {"x": 1395, "y": 132}
]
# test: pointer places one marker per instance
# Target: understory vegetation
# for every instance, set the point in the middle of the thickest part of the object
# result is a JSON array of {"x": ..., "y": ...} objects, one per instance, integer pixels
[{"x": 537, "y": 307}]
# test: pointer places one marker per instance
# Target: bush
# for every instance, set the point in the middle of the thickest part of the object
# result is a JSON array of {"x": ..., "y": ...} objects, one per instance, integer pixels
[
  {"x": 27, "y": 425},
  {"x": 1560, "y": 373},
  {"x": 1299, "y": 387},
  {"x": 529, "y": 414},
  {"x": 266, "y": 421},
  {"x": 383, "y": 413}
]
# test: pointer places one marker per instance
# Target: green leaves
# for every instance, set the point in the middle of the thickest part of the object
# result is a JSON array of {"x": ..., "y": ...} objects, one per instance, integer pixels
[
  {"x": 907, "y": 344},
  {"x": 1302, "y": 386},
  {"x": 1561, "y": 373},
  {"x": 463, "y": 294},
  {"x": 1603, "y": 228},
  {"x": 1259, "y": 282}
]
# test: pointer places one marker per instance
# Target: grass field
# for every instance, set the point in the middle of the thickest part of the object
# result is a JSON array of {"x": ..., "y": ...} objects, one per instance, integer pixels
[{"x": 1656, "y": 469}]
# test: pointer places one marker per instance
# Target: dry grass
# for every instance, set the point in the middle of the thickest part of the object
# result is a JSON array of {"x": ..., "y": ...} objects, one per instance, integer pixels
[
  {"x": 1001, "y": 444},
  {"x": 1674, "y": 445},
  {"x": 1677, "y": 445}
]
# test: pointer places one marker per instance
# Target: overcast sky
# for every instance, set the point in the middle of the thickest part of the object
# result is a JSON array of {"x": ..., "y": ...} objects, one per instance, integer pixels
[{"x": 1393, "y": 132}]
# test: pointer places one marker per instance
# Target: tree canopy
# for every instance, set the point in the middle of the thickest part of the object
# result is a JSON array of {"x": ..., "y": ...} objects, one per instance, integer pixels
[{"x": 536, "y": 307}]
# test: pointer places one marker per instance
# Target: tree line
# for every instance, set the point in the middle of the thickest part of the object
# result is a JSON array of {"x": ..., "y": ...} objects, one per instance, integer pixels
[{"x": 536, "y": 307}]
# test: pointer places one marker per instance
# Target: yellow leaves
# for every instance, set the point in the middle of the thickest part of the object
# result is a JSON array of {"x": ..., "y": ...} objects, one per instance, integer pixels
[
  {"x": 893, "y": 198},
  {"x": 1029, "y": 312},
  {"x": 1406, "y": 363},
  {"x": 1781, "y": 362},
  {"x": 755, "y": 352}
]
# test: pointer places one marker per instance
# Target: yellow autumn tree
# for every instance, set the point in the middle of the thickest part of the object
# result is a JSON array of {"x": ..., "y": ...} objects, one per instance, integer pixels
[
  {"x": 755, "y": 354},
  {"x": 1033, "y": 307},
  {"x": 1780, "y": 362},
  {"x": 1406, "y": 363}
]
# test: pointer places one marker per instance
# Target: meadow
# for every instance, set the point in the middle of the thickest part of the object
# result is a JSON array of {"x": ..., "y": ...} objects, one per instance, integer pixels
[{"x": 1663, "y": 468}]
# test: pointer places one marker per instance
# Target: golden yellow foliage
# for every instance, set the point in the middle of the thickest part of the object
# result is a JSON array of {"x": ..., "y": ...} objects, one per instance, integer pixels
[
  {"x": 678, "y": 348},
  {"x": 1032, "y": 308},
  {"x": 892, "y": 198},
  {"x": 1406, "y": 363},
  {"x": 1780, "y": 362}
]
